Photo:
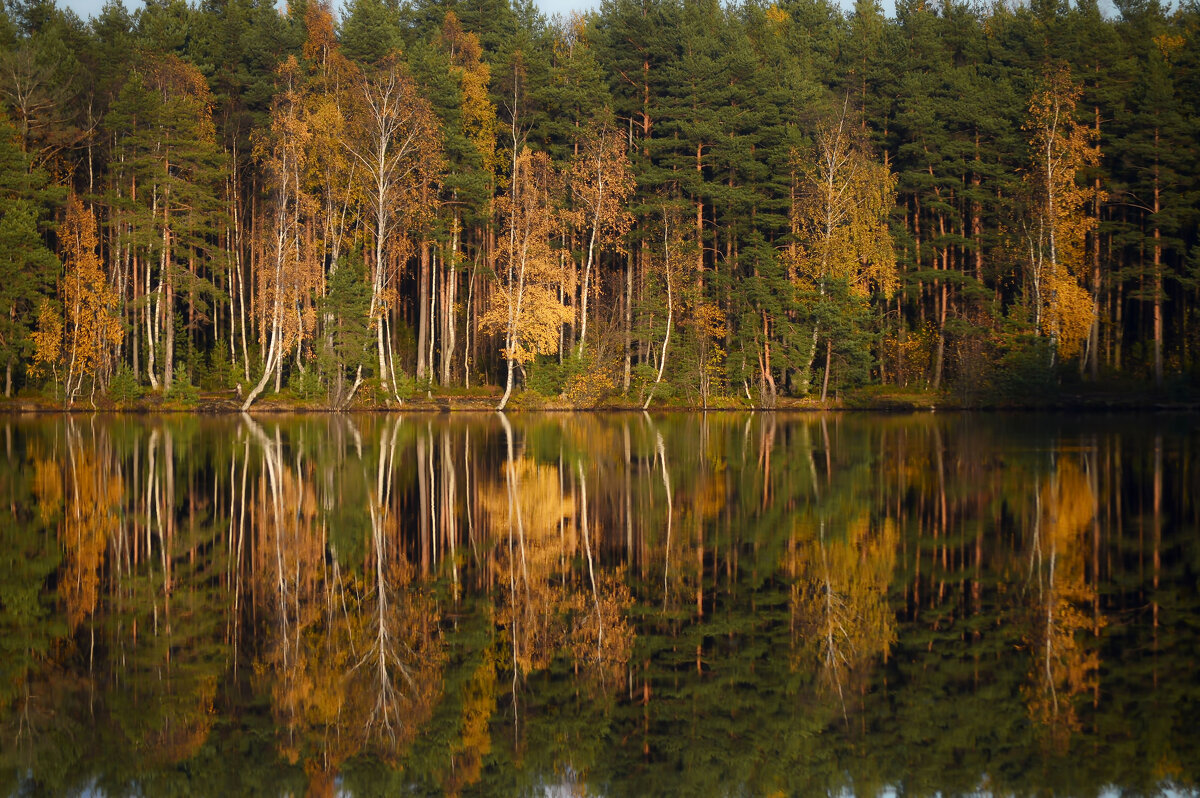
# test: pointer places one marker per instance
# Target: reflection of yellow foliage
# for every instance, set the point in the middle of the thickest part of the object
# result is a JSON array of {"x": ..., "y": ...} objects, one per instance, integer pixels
[
  {"x": 467, "y": 752},
  {"x": 1062, "y": 668},
  {"x": 535, "y": 538},
  {"x": 47, "y": 487},
  {"x": 539, "y": 507},
  {"x": 526, "y": 530},
  {"x": 354, "y": 659},
  {"x": 601, "y": 639},
  {"x": 333, "y": 693},
  {"x": 185, "y": 729},
  {"x": 89, "y": 521},
  {"x": 840, "y": 613}
]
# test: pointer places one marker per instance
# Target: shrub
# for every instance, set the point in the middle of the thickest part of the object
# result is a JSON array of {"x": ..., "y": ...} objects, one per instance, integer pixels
[
  {"x": 124, "y": 387},
  {"x": 183, "y": 392}
]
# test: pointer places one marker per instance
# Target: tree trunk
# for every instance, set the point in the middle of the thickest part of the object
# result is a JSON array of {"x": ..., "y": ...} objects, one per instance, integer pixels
[
  {"x": 423, "y": 310},
  {"x": 628, "y": 322},
  {"x": 1158, "y": 281},
  {"x": 828, "y": 360}
]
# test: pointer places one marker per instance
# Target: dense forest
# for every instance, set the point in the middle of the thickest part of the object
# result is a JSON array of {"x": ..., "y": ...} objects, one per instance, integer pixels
[{"x": 663, "y": 201}]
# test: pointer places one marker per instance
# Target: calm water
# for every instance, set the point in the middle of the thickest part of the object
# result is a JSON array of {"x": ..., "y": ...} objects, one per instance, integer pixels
[{"x": 614, "y": 605}]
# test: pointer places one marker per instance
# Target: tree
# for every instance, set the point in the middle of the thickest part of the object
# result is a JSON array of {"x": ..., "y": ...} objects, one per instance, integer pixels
[
  {"x": 601, "y": 181},
  {"x": 525, "y": 306},
  {"x": 1059, "y": 222},
  {"x": 841, "y": 222},
  {"x": 83, "y": 343},
  {"x": 289, "y": 273},
  {"x": 166, "y": 195},
  {"x": 345, "y": 347},
  {"x": 27, "y": 264},
  {"x": 396, "y": 142}
]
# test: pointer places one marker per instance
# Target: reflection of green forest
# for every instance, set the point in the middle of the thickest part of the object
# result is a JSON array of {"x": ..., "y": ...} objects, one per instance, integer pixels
[{"x": 621, "y": 605}]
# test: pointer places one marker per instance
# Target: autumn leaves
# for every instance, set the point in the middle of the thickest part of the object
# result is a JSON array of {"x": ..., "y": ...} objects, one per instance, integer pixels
[{"x": 355, "y": 161}]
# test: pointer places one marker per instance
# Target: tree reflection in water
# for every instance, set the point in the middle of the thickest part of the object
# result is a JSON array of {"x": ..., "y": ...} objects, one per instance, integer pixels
[{"x": 627, "y": 604}]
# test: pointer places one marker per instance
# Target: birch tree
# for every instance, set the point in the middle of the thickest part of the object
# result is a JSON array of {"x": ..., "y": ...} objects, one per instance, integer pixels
[
  {"x": 840, "y": 221},
  {"x": 1059, "y": 221},
  {"x": 601, "y": 181},
  {"x": 394, "y": 139},
  {"x": 525, "y": 305},
  {"x": 80, "y": 345},
  {"x": 288, "y": 274}
]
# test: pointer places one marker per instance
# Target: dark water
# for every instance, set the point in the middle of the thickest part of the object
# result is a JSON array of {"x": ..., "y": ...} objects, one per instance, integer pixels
[{"x": 613, "y": 605}]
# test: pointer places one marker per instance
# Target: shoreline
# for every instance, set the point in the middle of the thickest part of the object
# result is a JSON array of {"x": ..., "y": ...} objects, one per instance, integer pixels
[{"x": 215, "y": 405}]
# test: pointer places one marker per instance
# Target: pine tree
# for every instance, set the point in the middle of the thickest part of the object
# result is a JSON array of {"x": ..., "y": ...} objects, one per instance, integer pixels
[{"x": 27, "y": 266}]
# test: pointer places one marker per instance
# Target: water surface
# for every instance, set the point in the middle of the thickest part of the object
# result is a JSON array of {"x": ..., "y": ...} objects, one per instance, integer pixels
[{"x": 603, "y": 604}]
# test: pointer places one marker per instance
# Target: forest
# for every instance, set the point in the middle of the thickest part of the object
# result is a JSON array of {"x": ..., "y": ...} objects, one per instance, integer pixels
[{"x": 667, "y": 202}]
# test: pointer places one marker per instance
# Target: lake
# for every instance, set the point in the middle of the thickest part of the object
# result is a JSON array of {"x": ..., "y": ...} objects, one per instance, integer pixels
[{"x": 611, "y": 604}]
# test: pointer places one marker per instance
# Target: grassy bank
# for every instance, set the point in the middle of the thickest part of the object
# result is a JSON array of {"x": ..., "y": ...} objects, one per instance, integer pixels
[{"x": 484, "y": 399}]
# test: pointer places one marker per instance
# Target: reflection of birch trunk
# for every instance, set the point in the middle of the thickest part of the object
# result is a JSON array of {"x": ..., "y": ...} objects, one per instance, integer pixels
[
  {"x": 666, "y": 477},
  {"x": 424, "y": 513},
  {"x": 241, "y": 538},
  {"x": 433, "y": 497},
  {"x": 587, "y": 545},
  {"x": 383, "y": 655},
  {"x": 834, "y": 658},
  {"x": 1046, "y": 594},
  {"x": 514, "y": 509},
  {"x": 449, "y": 503},
  {"x": 274, "y": 462}
]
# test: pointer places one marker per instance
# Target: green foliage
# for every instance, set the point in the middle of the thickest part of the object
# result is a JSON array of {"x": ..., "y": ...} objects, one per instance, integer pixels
[
  {"x": 124, "y": 388},
  {"x": 182, "y": 392},
  {"x": 343, "y": 351},
  {"x": 1023, "y": 371},
  {"x": 406, "y": 386},
  {"x": 306, "y": 384},
  {"x": 550, "y": 378},
  {"x": 215, "y": 372}
]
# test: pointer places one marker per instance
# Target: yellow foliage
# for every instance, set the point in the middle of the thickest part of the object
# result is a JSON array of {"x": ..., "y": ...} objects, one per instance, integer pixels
[
  {"x": 841, "y": 216},
  {"x": 474, "y": 75},
  {"x": 1061, "y": 668},
  {"x": 1060, "y": 224},
  {"x": 524, "y": 303},
  {"x": 601, "y": 179},
  {"x": 840, "y": 613},
  {"x": 182, "y": 83},
  {"x": 79, "y": 344},
  {"x": 47, "y": 341},
  {"x": 1168, "y": 44},
  {"x": 777, "y": 16},
  {"x": 289, "y": 272}
]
